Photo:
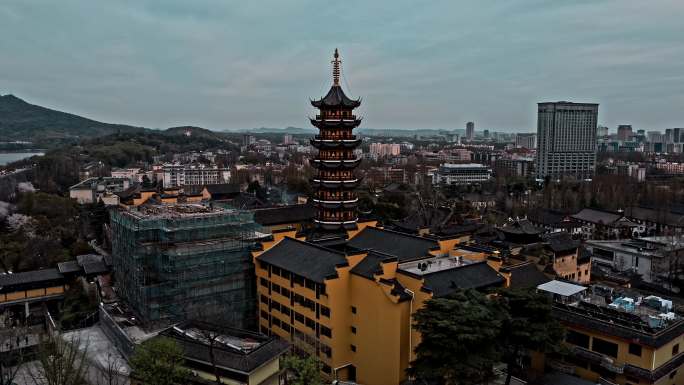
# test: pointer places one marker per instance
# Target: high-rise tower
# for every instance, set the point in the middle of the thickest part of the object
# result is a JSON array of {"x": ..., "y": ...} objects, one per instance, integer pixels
[
  {"x": 335, "y": 182},
  {"x": 566, "y": 140}
]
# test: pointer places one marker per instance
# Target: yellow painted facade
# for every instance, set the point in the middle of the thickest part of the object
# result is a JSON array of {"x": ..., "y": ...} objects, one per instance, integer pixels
[
  {"x": 371, "y": 339},
  {"x": 639, "y": 355},
  {"x": 34, "y": 293}
]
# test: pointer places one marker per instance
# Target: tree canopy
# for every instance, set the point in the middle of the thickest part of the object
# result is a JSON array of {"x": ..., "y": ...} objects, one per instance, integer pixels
[
  {"x": 466, "y": 334},
  {"x": 159, "y": 361}
]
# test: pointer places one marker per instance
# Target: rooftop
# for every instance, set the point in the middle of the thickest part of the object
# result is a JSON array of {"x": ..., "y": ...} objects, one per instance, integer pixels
[
  {"x": 434, "y": 264},
  {"x": 463, "y": 165},
  {"x": 616, "y": 311},
  {"x": 477, "y": 275},
  {"x": 403, "y": 246},
  {"x": 303, "y": 258},
  {"x": 176, "y": 210}
]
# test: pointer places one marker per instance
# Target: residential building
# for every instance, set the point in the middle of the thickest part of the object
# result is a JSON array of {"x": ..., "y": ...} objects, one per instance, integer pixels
[
  {"x": 133, "y": 174},
  {"x": 92, "y": 190},
  {"x": 288, "y": 139},
  {"x": 567, "y": 259},
  {"x": 616, "y": 336},
  {"x": 384, "y": 150},
  {"x": 470, "y": 131},
  {"x": 334, "y": 183},
  {"x": 566, "y": 140},
  {"x": 655, "y": 260},
  {"x": 462, "y": 174},
  {"x": 520, "y": 166},
  {"x": 524, "y": 140},
  {"x": 175, "y": 261},
  {"x": 350, "y": 302},
  {"x": 193, "y": 174}
]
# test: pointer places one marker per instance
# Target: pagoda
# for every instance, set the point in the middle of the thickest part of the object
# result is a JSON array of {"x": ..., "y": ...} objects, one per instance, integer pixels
[{"x": 334, "y": 181}]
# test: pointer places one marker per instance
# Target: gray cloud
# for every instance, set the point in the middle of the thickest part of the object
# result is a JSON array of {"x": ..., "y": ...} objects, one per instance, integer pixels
[{"x": 438, "y": 64}]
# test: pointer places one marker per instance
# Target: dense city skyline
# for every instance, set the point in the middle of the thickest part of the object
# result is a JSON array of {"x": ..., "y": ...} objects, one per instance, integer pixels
[{"x": 226, "y": 66}]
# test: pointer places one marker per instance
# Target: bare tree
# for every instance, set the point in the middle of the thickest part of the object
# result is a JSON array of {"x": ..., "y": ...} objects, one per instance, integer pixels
[
  {"x": 13, "y": 345},
  {"x": 60, "y": 362},
  {"x": 111, "y": 372}
]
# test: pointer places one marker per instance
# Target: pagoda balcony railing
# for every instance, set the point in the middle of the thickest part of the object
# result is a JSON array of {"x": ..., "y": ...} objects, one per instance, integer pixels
[
  {"x": 337, "y": 220},
  {"x": 335, "y": 156},
  {"x": 348, "y": 118},
  {"x": 346, "y": 138},
  {"x": 336, "y": 164},
  {"x": 336, "y": 204}
]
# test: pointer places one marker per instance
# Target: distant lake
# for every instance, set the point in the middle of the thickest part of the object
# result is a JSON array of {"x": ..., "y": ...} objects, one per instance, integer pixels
[{"x": 9, "y": 157}]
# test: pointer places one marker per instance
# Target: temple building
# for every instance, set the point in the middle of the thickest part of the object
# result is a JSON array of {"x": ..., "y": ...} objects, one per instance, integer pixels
[{"x": 334, "y": 182}]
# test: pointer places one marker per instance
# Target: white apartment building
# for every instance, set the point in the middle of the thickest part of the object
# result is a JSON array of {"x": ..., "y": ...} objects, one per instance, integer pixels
[
  {"x": 461, "y": 174},
  {"x": 185, "y": 174}
]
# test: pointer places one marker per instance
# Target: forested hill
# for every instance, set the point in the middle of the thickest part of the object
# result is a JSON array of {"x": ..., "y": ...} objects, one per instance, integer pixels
[{"x": 23, "y": 121}]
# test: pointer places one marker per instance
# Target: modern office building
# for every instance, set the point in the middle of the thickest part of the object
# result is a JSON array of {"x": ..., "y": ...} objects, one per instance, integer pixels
[
  {"x": 470, "y": 130},
  {"x": 180, "y": 261},
  {"x": 624, "y": 132},
  {"x": 334, "y": 183},
  {"x": 350, "y": 303},
  {"x": 461, "y": 174},
  {"x": 524, "y": 140},
  {"x": 566, "y": 140}
]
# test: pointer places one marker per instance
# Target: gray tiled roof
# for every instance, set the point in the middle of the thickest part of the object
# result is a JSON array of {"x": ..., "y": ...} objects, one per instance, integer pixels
[
  {"x": 30, "y": 277},
  {"x": 403, "y": 246},
  {"x": 477, "y": 275},
  {"x": 302, "y": 258}
]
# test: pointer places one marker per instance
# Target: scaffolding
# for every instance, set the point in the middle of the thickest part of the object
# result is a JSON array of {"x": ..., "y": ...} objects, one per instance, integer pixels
[{"x": 183, "y": 261}]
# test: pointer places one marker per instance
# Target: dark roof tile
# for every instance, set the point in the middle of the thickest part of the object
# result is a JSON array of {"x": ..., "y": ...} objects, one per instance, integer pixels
[
  {"x": 403, "y": 246},
  {"x": 302, "y": 258}
]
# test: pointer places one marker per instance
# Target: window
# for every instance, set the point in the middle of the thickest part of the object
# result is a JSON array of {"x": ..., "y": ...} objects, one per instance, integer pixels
[
  {"x": 635, "y": 349},
  {"x": 326, "y": 331},
  {"x": 285, "y": 327},
  {"x": 325, "y": 311},
  {"x": 310, "y": 324},
  {"x": 353, "y": 308},
  {"x": 605, "y": 347},
  {"x": 264, "y": 315},
  {"x": 576, "y": 338},
  {"x": 675, "y": 349},
  {"x": 264, "y": 299},
  {"x": 353, "y": 348},
  {"x": 310, "y": 285},
  {"x": 299, "y": 317},
  {"x": 298, "y": 279},
  {"x": 263, "y": 282},
  {"x": 285, "y": 310},
  {"x": 285, "y": 292},
  {"x": 353, "y": 330},
  {"x": 326, "y": 369},
  {"x": 275, "y": 288},
  {"x": 276, "y": 321},
  {"x": 264, "y": 330}
]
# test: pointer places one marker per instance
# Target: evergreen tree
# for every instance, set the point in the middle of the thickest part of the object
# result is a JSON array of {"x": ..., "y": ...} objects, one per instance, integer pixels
[
  {"x": 528, "y": 325},
  {"x": 459, "y": 335},
  {"x": 302, "y": 370},
  {"x": 159, "y": 361}
]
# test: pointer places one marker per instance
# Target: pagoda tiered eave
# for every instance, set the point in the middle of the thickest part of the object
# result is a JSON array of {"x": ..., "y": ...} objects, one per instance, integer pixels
[
  {"x": 332, "y": 123},
  {"x": 347, "y": 164},
  {"x": 319, "y": 143}
]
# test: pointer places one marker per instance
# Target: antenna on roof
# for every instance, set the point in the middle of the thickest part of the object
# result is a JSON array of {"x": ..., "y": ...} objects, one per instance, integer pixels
[{"x": 336, "y": 68}]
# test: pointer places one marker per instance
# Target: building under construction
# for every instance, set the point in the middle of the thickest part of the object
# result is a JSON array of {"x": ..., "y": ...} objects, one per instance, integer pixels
[{"x": 186, "y": 261}]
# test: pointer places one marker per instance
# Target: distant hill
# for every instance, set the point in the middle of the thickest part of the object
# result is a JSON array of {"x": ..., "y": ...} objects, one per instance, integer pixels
[
  {"x": 286, "y": 130},
  {"x": 20, "y": 120},
  {"x": 194, "y": 132}
]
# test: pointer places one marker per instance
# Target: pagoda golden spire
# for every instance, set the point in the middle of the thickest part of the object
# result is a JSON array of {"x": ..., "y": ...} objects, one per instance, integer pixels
[{"x": 336, "y": 68}]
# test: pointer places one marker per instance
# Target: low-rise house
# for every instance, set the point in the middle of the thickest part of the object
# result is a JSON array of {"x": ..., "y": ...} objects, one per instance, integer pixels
[
  {"x": 657, "y": 260},
  {"x": 600, "y": 224},
  {"x": 656, "y": 221},
  {"x": 93, "y": 189}
]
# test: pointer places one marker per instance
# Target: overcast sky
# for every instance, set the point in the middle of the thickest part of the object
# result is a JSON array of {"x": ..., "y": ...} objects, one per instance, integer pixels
[{"x": 226, "y": 64}]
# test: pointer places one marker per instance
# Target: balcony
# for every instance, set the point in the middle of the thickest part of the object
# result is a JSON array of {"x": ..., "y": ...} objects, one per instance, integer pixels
[
  {"x": 336, "y": 204},
  {"x": 335, "y": 122},
  {"x": 332, "y": 142},
  {"x": 332, "y": 184},
  {"x": 336, "y": 224},
  {"x": 344, "y": 164}
]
